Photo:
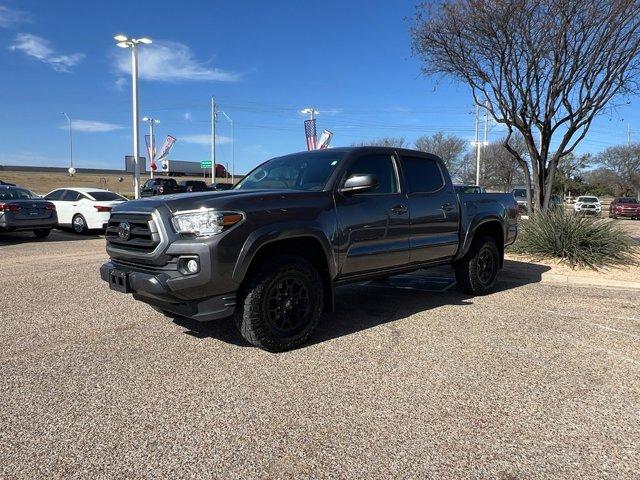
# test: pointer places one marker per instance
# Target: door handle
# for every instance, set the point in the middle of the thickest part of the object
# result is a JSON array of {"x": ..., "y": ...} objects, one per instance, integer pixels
[
  {"x": 400, "y": 209},
  {"x": 447, "y": 207}
]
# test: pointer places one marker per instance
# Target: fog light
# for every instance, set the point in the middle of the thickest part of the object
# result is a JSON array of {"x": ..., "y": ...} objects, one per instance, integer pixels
[{"x": 192, "y": 266}]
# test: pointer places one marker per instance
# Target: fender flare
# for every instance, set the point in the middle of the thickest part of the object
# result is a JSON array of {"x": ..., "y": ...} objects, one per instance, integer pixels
[
  {"x": 476, "y": 223},
  {"x": 276, "y": 232}
]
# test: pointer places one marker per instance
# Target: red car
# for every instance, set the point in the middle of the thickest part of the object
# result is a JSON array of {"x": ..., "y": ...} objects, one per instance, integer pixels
[{"x": 624, "y": 207}]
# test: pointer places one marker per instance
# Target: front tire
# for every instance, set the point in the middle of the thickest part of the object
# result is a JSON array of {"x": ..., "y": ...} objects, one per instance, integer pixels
[
  {"x": 79, "y": 224},
  {"x": 42, "y": 232},
  {"x": 476, "y": 273},
  {"x": 280, "y": 305}
]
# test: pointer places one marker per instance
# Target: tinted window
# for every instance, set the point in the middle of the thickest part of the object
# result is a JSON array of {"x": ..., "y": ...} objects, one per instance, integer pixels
[
  {"x": 106, "y": 196},
  {"x": 519, "y": 192},
  {"x": 166, "y": 182},
  {"x": 55, "y": 195},
  {"x": 625, "y": 200},
  {"x": 379, "y": 165},
  {"x": 304, "y": 171},
  {"x": 71, "y": 196},
  {"x": 422, "y": 174},
  {"x": 16, "y": 194}
]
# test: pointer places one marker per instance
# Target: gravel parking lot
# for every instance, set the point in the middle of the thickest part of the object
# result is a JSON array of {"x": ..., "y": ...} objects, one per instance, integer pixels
[{"x": 534, "y": 381}]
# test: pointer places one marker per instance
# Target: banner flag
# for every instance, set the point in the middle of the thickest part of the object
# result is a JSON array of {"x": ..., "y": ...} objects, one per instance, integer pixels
[
  {"x": 325, "y": 139},
  {"x": 151, "y": 156},
  {"x": 310, "y": 133},
  {"x": 166, "y": 148}
]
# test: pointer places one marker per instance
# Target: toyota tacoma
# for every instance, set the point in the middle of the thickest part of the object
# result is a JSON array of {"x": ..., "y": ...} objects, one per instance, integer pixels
[{"x": 272, "y": 250}]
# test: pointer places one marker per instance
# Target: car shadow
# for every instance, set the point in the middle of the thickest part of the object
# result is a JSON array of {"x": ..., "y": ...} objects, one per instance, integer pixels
[
  {"x": 362, "y": 306},
  {"x": 16, "y": 238}
]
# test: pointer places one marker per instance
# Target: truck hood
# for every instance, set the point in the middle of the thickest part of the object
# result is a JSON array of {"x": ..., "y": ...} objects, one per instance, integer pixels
[{"x": 222, "y": 199}]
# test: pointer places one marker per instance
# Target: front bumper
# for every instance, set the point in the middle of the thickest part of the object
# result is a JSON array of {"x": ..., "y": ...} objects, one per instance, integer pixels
[
  {"x": 27, "y": 224},
  {"x": 169, "y": 290},
  {"x": 627, "y": 213}
]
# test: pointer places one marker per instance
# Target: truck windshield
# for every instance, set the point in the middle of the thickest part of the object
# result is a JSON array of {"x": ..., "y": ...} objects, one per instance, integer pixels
[{"x": 303, "y": 171}]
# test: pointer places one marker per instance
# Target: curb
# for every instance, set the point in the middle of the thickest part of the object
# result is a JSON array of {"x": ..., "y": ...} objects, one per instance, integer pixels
[{"x": 589, "y": 281}]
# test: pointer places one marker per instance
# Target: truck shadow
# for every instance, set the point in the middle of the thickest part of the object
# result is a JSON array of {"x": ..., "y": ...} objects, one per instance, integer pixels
[{"x": 366, "y": 305}]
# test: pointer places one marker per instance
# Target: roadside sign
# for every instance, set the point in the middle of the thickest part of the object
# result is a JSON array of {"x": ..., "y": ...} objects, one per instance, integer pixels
[{"x": 206, "y": 164}]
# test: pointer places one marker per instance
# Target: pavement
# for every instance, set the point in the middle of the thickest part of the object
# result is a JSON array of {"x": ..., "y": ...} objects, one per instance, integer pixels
[{"x": 408, "y": 379}]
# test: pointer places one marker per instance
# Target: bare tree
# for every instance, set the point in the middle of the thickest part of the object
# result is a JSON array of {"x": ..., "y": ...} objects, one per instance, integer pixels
[
  {"x": 623, "y": 163},
  {"x": 545, "y": 68},
  {"x": 499, "y": 168},
  {"x": 569, "y": 169},
  {"x": 398, "y": 142},
  {"x": 449, "y": 148}
]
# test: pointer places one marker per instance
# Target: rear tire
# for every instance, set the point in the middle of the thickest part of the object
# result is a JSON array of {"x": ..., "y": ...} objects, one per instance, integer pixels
[
  {"x": 42, "y": 232},
  {"x": 79, "y": 224},
  {"x": 280, "y": 304},
  {"x": 476, "y": 273}
]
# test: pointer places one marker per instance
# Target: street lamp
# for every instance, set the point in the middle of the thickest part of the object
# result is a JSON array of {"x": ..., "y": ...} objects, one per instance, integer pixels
[
  {"x": 71, "y": 169},
  {"x": 151, "y": 122},
  {"x": 233, "y": 146},
  {"x": 125, "y": 42}
]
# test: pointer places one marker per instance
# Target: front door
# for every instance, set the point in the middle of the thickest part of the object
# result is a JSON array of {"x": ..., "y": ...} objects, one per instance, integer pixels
[{"x": 373, "y": 226}]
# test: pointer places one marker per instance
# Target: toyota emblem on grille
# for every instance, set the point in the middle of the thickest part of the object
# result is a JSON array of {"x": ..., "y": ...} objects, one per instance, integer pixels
[{"x": 124, "y": 230}]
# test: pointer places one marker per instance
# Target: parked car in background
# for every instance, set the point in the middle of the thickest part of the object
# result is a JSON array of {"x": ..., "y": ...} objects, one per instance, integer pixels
[
  {"x": 520, "y": 195},
  {"x": 21, "y": 209},
  {"x": 83, "y": 209},
  {"x": 587, "y": 205},
  {"x": 7, "y": 183},
  {"x": 469, "y": 189},
  {"x": 161, "y": 186},
  {"x": 624, "y": 207},
  {"x": 194, "y": 186}
]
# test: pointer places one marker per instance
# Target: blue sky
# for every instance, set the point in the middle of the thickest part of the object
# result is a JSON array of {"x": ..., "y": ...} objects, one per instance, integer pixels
[{"x": 263, "y": 61}]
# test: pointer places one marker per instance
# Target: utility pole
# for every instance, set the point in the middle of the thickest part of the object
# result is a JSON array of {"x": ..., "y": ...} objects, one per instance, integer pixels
[
  {"x": 214, "y": 119},
  {"x": 233, "y": 145},
  {"x": 486, "y": 128},
  {"x": 70, "y": 143},
  {"x": 477, "y": 142}
]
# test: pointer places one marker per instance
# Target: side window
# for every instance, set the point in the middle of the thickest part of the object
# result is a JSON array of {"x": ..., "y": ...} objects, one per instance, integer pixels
[
  {"x": 71, "y": 196},
  {"x": 55, "y": 195},
  {"x": 422, "y": 174},
  {"x": 379, "y": 165},
  {"x": 149, "y": 184}
]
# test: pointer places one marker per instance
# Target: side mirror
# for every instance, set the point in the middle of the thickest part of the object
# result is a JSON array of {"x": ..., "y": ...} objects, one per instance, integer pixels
[{"x": 360, "y": 183}]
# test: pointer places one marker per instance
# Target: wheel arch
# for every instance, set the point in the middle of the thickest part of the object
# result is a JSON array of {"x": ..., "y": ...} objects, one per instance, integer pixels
[
  {"x": 492, "y": 227},
  {"x": 310, "y": 244}
]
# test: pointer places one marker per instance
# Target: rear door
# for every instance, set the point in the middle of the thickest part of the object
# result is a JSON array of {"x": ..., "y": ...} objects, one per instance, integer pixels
[
  {"x": 433, "y": 204},
  {"x": 68, "y": 206},
  {"x": 374, "y": 226}
]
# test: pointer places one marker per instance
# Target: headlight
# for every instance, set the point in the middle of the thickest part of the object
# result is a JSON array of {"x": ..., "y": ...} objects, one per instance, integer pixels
[{"x": 204, "y": 222}]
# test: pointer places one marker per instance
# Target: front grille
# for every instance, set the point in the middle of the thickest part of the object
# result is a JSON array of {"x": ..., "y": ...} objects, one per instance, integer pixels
[{"x": 143, "y": 236}]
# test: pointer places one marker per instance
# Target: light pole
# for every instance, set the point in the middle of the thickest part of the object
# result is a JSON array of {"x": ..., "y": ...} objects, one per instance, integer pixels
[
  {"x": 151, "y": 122},
  {"x": 312, "y": 112},
  {"x": 132, "y": 43},
  {"x": 70, "y": 143},
  {"x": 233, "y": 146}
]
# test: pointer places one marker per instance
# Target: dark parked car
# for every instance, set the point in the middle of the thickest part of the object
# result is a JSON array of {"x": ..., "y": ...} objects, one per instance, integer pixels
[
  {"x": 22, "y": 210},
  {"x": 7, "y": 183},
  {"x": 160, "y": 186},
  {"x": 624, "y": 207},
  {"x": 272, "y": 250},
  {"x": 194, "y": 186}
]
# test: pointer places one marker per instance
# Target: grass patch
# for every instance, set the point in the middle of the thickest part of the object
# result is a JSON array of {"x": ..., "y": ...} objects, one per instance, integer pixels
[{"x": 575, "y": 239}]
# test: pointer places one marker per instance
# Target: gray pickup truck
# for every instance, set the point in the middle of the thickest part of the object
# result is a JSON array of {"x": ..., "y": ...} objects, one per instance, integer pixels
[{"x": 271, "y": 250}]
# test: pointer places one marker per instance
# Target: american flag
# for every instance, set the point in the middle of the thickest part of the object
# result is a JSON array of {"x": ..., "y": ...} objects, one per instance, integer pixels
[{"x": 310, "y": 133}]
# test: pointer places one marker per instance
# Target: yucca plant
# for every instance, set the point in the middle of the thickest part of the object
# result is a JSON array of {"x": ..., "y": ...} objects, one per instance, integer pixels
[{"x": 578, "y": 240}]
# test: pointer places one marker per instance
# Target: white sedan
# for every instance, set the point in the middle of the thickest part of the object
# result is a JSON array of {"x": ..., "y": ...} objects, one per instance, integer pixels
[
  {"x": 588, "y": 205},
  {"x": 83, "y": 208}
]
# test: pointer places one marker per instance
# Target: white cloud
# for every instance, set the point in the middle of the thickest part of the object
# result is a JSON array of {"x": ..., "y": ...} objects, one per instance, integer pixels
[
  {"x": 187, "y": 116},
  {"x": 167, "y": 61},
  {"x": 92, "y": 126},
  {"x": 203, "y": 139},
  {"x": 40, "y": 49},
  {"x": 9, "y": 17}
]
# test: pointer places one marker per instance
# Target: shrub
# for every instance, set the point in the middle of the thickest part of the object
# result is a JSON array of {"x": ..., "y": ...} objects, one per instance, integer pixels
[{"x": 578, "y": 240}]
